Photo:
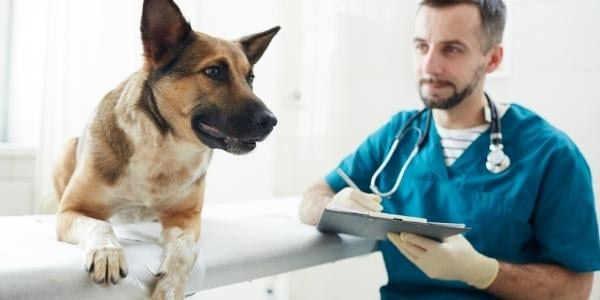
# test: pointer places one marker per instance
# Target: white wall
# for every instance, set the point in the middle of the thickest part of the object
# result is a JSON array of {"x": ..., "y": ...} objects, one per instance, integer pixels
[
  {"x": 68, "y": 55},
  {"x": 16, "y": 180},
  {"x": 252, "y": 175},
  {"x": 5, "y": 9},
  {"x": 350, "y": 70},
  {"x": 336, "y": 72}
]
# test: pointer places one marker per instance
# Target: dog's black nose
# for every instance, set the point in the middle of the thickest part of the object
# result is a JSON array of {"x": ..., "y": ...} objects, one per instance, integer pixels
[{"x": 265, "y": 119}]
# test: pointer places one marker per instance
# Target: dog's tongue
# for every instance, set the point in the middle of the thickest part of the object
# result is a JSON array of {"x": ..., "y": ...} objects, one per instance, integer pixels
[
  {"x": 228, "y": 139},
  {"x": 211, "y": 130}
]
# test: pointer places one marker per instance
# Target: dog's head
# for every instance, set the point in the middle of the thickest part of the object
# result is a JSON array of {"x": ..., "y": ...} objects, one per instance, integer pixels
[{"x": 199, "y": 87}]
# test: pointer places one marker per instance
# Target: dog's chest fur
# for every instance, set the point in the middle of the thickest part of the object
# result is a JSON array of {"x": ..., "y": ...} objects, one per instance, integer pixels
[
  {"x": 157, "y": 178},
  {"x": 163, "y": 173}
]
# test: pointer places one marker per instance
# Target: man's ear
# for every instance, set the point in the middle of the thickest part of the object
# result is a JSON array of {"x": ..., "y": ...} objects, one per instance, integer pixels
[
  {"x": 254, "y": 45},
  {"x": 164, "y": 31},
  {"x": 497, "y": 53}
]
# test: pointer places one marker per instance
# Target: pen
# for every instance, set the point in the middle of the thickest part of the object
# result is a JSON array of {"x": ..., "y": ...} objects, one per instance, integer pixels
[
  {"x": 346, "y": 179},
  {"x": 353, "y": 185}
]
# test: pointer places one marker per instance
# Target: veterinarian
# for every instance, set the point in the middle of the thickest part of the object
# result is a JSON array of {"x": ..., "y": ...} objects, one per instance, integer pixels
[{"x": 521, "y": 185}]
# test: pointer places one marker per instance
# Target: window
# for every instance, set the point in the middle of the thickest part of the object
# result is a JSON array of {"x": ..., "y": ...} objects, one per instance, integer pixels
[{"x": 5, "y": 24}]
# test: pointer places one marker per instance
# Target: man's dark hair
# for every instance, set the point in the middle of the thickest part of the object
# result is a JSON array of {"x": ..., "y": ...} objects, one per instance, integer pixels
[{"x": 493, "y": 17}]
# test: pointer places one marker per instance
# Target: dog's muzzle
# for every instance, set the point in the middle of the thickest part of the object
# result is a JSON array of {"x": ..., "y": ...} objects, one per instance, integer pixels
[{"x": 236, "y": 134}]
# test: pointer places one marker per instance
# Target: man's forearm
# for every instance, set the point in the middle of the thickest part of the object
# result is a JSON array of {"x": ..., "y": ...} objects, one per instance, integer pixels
[{"x": 540, "y": 281}]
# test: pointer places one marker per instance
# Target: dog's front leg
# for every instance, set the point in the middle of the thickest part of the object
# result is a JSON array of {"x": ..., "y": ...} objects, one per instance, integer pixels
[
  {"x": 80, "y": 221},
  {"x": 181, "y": 229},
  {"x": 104, "y": 259},
  {"x": 178, "y": 239}
]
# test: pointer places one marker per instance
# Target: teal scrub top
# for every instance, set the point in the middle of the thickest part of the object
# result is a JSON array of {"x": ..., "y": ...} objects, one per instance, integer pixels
[{"x": 540, "y": 210}]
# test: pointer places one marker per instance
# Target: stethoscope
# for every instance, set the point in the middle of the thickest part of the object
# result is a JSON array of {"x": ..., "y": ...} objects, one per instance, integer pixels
[{"x": 497, "y": 161}]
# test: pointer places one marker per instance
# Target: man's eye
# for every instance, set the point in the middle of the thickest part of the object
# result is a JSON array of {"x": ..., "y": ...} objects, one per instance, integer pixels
[
  {"x": 421, "y": 47},
  {"x": 213, "y": 72},
  {"x": 452, "y": 50}
]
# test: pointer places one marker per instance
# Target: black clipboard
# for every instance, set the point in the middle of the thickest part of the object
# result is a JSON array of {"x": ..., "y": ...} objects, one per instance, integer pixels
[{"x": 376, "y": 225}]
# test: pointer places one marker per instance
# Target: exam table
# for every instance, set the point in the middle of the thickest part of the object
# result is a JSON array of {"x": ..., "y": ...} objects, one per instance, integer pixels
[{"x": 239, "y": 241}]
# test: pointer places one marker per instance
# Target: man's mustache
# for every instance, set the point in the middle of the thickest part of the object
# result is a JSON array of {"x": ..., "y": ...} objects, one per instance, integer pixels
[{"x": 435, "y": 81}]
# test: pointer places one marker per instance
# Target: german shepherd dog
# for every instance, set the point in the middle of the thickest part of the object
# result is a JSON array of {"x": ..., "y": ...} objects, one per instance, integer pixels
[{"x": 147, "y": 148}]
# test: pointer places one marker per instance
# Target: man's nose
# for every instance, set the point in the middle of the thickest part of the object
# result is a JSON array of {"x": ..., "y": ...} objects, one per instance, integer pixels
[{"x": 432, "y": 64}]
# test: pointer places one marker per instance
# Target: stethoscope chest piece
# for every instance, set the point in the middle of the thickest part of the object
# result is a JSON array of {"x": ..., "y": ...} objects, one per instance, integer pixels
[{"x": 497, "y": 160}]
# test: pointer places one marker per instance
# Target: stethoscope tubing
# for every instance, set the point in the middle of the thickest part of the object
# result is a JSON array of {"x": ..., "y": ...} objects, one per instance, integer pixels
[{"x": 495, "y": 140}]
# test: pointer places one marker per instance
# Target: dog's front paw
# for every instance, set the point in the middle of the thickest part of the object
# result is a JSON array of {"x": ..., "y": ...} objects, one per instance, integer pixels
[
  {"x": 168, "y": 287},
  {"x": 105, "y": 263}
]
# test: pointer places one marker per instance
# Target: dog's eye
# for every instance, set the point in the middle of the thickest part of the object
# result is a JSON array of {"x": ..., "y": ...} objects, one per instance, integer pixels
[
  {"x": 217, "y": 72},
  {"x": 250, "y": 78},
  {"x": 214, "y": 72}
]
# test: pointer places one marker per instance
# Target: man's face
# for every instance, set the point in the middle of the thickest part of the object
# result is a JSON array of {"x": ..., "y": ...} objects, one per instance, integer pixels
[{"x": 448, "y": 54}]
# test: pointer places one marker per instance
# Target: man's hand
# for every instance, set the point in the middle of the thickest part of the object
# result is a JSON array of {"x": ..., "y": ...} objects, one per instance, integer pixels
[
  {"x": 452, "y": 259},
  {"x": 357, "y": 200}
]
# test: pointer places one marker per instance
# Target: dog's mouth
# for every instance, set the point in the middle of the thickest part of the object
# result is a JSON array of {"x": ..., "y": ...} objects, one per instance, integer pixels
[{"x": 215, "y": 138}]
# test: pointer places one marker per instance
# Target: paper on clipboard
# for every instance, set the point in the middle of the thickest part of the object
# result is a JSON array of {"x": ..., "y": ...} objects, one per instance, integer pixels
[{"x": 376, "y": 225}]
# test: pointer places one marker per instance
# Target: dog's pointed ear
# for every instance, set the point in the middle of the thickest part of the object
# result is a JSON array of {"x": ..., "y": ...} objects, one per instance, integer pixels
[
  {"x": 255, "y": 45},
  {"x": 164, "y": 31}
]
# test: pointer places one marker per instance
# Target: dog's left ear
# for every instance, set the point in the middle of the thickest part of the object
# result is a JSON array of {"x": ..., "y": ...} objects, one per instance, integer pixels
[
  {"x": 164, "y": 31},
  {"x": 255, "y": 45}
]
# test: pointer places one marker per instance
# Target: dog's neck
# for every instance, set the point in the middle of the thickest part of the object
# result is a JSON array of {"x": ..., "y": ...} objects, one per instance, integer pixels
[{"x": 131, "y": 118}]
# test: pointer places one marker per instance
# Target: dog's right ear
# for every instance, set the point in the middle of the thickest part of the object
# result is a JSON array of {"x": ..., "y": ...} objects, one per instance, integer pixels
[{"x": 164, "y": 31}]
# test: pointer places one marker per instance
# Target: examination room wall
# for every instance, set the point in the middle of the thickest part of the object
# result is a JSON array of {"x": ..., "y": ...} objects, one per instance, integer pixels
[
  {"x": 78, "y": 57},
  {"x": 336, "y": 72},
  {"x": 348, "y": 68}
]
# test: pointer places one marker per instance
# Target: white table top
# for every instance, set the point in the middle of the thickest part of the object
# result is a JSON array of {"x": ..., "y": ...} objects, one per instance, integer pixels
[{"x": 239, "y": 241}]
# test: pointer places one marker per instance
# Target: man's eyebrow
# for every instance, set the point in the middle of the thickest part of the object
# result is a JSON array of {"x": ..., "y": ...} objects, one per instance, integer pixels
[{"x": 455, "y": 43}]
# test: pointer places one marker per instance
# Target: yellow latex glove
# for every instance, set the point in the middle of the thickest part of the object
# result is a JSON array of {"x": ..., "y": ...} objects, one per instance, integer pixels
[
  {"x": 453, "y": 259},
  {"x": 357, "y": 200}
]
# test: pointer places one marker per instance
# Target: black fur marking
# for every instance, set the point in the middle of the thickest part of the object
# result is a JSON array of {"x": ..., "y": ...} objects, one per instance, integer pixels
[{"x": 147, "y": 104}]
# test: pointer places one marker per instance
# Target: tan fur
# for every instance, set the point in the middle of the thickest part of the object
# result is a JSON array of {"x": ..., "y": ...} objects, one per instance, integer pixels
[
  {"x": 162, "y": 167},
  {"x": 143, "y": 153},
  {"x": 65, "y": 167},
  {"x": 112, "y": 149},
  {"x": 125, "y": 165}
]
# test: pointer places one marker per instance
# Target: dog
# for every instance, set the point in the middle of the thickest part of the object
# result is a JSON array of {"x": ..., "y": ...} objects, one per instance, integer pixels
[{"x": 147, "y": 148}]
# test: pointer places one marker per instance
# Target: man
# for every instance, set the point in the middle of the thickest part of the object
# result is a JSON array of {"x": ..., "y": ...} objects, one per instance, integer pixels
[{"x": 534, "y": 229}]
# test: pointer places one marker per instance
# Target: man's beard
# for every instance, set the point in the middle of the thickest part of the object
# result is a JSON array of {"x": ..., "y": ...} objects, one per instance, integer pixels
[{"x": 457, "y": 96}]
